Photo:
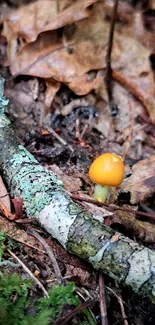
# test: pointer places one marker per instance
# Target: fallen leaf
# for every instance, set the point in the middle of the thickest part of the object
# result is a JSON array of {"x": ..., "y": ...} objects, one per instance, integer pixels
[
  {"x": 6, "y": 212},
  {"x": 29, "y": 20},
  {"x": 143, "y": 230},
  {"x": 152, "y": 4},
  {"x": 51, "y": 90},
  {"x": 81, "y": 49},
  {"x": 81, "y": 275},
  {"x": 134, "y": 23},
  {"x": 49, "y": 57},
  {"x": 141, "y": 184},
  {"x": 4, "y": 197},
  {"x": 12, "y": 230},
  {"x": 18, "y": 205},
  {"x": 72, "y": 184}
]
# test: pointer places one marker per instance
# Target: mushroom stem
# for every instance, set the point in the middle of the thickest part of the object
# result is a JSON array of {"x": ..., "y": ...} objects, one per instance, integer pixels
[{"x": 101, "y": 192}]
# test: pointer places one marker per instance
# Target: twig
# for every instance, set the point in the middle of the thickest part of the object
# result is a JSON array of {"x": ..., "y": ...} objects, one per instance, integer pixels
[
  {"x": 50, "y": 130},
  {"x": 81, "y": 295},
  {"x": 62, "y": 141},
  {"x": 29, "y": 245},
  {"x": 112, "y": 207},
  {"x": 51, "y": 256},
  {"x": 108, "y": 75},
  {"x": 74, "y": 312},
  {"x": 29, "y": 272},
  {"x": 129, "y": 139},
  {"x": 121, "y": 305},
  {"x": 103, "y": 307},
  {"x": 58, "y": 5}
]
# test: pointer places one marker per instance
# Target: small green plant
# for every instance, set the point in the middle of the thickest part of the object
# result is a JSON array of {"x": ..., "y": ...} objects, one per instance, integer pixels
[
  {"x": 13, "y": 299},
  {"x": 17, "y": 308},
  {"x": 2, "y": 238},
  {"x": 59, "y": 296}
]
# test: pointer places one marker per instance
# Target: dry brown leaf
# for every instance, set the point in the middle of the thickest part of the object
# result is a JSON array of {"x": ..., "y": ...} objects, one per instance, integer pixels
[
  {"x": 4, "y": 197},
  {"x": 124, "y": 10},
  {"x": 30, "y": 20},
  {"x": 144, "y": 231},
  {"x": 6, "y": 212},
  {"x": 51, "y": 90},
  {"x": 19, "y": 206},
  {"x": 12, "y": 230},
  {"x": 49, "y": 57},
  {"x": 134, "y": 25},
  {"x": 71, "y": 184},
  {"x": 83, "y": 276},
  {"x": 83, "y": 85},
  {"x": 81, "y": 49},
  {"x": 141, "y": 184},
  {"x": 151, "y": 4}
]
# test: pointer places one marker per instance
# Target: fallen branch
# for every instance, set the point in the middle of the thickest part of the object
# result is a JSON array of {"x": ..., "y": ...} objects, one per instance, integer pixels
[{"x": 77, "y": 230}]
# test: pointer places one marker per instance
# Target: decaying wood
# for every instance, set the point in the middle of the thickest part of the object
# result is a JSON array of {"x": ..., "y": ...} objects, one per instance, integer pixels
[{"x": 78, "y": 231}]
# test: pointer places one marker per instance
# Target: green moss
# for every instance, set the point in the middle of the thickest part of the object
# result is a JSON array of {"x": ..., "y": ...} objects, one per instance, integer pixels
[
  {"x": 83, "y": 249},
  {"x": 16, "y": 307}
]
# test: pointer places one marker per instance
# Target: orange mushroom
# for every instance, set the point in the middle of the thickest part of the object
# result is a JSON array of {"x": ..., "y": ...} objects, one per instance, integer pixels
[{"x": 107, "y": 170}]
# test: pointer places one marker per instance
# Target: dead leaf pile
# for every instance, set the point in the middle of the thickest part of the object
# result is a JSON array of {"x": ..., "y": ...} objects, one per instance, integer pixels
[
  {"x": 65, "y": 46},
  {"x": 141, "y": 184}
]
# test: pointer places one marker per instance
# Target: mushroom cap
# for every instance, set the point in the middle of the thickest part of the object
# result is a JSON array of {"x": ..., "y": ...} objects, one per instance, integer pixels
[{"x": 108, "y": 169}]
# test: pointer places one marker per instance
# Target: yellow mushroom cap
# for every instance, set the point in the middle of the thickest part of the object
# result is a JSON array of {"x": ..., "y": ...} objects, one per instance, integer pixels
[{"x": 108, "y": 169}]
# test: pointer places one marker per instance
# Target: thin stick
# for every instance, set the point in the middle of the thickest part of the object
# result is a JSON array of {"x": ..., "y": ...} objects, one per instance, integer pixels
[
  {"x": 112, "y": 207},
  {"x": 77, "y": 310},
  {"x": 121, "y": 305},
  {"x": 108, "y": 75},
  {"x": 103, "y": 307},
  {"x": 51, "y": 256},
  {"x": 128, "y": 142},
  {"x": 27, "y": 244},
  {"x": 29, "y": 272},
  {"x": 62, "y": 141},
  {"x": 58, "y": 5}
]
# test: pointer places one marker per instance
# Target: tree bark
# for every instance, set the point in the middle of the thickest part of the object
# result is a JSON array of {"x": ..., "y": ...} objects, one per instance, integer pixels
[{"x": 78, "y": 231}]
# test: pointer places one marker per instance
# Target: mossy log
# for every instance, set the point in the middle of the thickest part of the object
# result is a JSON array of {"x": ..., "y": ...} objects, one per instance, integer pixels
[{"x": 78, "y": 231}]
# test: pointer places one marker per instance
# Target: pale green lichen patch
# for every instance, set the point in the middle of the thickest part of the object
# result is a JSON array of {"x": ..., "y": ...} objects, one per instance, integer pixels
[
  {"x": 33, "y": 182},
  {"x": 22, "y": 156},
  {"x": 74, "y": 208},
  {"x": 36, "y": 187},
  {"x": 3, "y": 121}
]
